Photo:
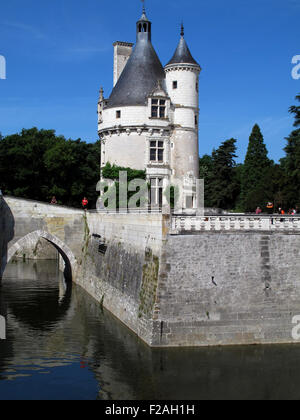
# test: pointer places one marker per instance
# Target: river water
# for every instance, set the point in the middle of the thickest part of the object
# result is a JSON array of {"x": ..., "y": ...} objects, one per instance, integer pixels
[{"x": 61, "y": 345}]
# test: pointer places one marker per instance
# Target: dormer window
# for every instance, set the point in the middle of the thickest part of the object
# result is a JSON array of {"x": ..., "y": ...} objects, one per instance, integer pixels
[{"x": 158, "y": 108}]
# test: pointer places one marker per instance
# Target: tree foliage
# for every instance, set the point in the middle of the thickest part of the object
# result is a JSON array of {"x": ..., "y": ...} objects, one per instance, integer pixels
[
  {"x": 258, "y": 180},
  {"x": 38, "y": 165},
  {"x": 291, "y": 162},
  {"x": 112, "y": 172},
  {"x": 220, "y": 176},
  {"x": 254, "y": 188}
]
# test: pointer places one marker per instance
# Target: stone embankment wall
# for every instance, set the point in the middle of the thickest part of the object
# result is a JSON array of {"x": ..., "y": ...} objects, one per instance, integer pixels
[
  {"x": 229, "y": 288},
  {"x": 206, "y": 289},
  {"x": 125, "y": 279}
]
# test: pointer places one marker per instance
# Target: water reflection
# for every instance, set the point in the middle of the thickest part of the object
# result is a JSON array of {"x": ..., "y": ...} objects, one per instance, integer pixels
[
  {"x": 62, "y": 345},
  {"x": 36, "y": 294}
]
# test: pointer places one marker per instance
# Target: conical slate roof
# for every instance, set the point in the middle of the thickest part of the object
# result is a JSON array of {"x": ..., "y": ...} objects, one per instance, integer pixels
[
  {"x": 182, "y": 53},
  {"x": 140, "y": 75}
]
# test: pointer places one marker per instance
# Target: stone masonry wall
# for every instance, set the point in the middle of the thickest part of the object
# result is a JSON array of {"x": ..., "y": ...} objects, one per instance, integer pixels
[
  {"x": 228, "y": 289},
  {"x": 125, "y": 279}
]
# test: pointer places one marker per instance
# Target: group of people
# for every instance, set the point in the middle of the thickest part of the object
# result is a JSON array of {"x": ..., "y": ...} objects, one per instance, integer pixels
[
  {"x": 270, "y": 210},
  {"x": 84, "y": 202}
]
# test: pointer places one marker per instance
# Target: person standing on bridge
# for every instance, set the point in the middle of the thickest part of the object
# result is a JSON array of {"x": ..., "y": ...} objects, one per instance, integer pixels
[
  {"x": 85, "y": 202},
  {"x": 270, "y": 208}
]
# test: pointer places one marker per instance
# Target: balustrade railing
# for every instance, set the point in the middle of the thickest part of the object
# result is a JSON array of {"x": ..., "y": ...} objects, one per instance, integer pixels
[{"x": 182, "y": 223}]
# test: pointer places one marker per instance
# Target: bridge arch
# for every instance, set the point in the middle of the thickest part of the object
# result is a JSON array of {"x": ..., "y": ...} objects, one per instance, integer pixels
[{"x": 65, "y": 252}]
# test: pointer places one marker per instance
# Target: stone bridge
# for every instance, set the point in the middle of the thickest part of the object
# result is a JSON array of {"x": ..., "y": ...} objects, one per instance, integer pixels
[
  {"x": 24, "y": 223},
  {"x": 174, "y": 281}
]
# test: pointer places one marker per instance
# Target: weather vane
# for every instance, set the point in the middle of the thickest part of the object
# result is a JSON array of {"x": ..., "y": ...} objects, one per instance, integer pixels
[{"x": 143, "y": 1}]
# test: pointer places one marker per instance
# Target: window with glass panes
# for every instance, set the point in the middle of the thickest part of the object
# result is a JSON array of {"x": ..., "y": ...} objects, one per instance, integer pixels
[
  {"x": 158, "y": 108},
  {"x": 156, "y": 192},
  {"x": 156, "y": 151}
]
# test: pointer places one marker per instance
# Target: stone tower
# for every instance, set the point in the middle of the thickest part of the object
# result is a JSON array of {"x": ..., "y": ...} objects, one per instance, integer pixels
[
  {"x": 182, "y": 83},
  {"x": 150, "y": 120}
]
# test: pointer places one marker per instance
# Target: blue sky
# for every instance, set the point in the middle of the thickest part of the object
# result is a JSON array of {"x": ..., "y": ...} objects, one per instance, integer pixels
[{"x": 60, "y": 52}]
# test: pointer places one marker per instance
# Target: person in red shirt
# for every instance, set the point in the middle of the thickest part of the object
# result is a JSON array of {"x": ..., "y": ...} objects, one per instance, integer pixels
[{"x": 85, "y": 202}]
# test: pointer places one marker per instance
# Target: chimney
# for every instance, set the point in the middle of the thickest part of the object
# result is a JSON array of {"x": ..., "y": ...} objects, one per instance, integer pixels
[{"x": 122, "y": 52}]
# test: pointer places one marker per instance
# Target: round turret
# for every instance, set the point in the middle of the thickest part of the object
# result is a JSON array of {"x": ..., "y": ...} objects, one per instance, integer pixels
[{"x": 182, "y": 81}]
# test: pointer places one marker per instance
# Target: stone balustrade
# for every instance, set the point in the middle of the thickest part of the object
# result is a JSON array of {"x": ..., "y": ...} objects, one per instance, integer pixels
[{"x": 184, "y": 224}]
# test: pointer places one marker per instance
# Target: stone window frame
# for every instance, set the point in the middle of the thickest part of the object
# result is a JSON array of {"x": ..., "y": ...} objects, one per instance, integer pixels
[
  {"x": 157, "y": 147},
  {"x": 166, "y": 106},
  {"x": 166, "y": 151}
]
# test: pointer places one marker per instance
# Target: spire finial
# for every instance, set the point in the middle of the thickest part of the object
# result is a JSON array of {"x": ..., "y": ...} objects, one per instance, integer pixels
[
  {"x": 144, "y": 9},
  {"x": 101, "y": 96},
  {"x": 182, "y": 29}
]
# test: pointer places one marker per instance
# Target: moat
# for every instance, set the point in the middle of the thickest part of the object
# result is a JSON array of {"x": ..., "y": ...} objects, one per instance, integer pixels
[{"x": 61, "y": 344}]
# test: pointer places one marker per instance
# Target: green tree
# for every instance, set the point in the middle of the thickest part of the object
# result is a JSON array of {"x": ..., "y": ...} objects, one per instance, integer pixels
[
  {"x": 291, "y": 163},
  {"x": 206, "y": 173},
  {"x": 223, "y": 187},
  {"x": 37, "y": 164},
  {"x": 296, "y": 111},
  {"x": 255, "y": 190}
]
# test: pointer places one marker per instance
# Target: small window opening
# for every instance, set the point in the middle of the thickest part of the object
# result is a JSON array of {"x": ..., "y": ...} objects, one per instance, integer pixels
[
  {"x": 196, "y": 120},
  {"x": 118, "y": 114},
  {"x": 175, "y": 84}
]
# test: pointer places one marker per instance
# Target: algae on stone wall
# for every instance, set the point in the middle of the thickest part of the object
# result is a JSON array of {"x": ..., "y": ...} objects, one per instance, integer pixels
[
  {"x": 149, "y": 285},
  {"x": 86, "y": 239}
]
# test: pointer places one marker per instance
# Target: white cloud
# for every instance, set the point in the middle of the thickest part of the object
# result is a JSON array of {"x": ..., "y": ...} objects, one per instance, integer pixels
[{"x": 27, "y": 28}]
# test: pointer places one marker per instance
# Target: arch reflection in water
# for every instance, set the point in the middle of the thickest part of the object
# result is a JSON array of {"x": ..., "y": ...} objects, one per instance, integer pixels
[{"x": 39, "y": 307}]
